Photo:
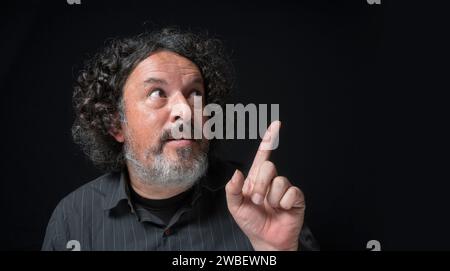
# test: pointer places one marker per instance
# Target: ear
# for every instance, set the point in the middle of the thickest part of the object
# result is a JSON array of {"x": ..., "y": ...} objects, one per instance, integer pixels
[
  {"x": 116, "y": 130},
  {"x": 117, "y": 134}
]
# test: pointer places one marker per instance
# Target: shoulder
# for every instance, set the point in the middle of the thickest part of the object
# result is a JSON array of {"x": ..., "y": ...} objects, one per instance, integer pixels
[
  {"x": 64, "y": 219},
  {"x": 96, "y": 190}
]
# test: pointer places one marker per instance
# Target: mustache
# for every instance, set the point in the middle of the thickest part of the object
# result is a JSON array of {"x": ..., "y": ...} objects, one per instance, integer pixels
[{"x": 167, "y": 135}]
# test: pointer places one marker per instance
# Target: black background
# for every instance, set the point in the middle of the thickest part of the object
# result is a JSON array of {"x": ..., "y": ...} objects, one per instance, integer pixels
[{"x": 360, "y": 135}]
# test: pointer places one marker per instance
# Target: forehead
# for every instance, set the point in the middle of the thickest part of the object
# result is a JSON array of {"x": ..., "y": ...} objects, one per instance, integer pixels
[{"x": 168, "y": 63}]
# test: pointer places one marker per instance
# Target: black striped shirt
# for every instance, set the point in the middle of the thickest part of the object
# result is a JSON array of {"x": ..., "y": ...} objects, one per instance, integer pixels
[{"x": 101, "y": 216}]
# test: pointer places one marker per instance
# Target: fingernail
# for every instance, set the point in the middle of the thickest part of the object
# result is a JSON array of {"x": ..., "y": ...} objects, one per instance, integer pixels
[{"x": 257, "y": 199}]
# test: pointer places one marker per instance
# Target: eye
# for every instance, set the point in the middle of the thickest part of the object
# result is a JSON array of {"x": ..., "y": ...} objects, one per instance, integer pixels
[{"x": 157, "y": 93}]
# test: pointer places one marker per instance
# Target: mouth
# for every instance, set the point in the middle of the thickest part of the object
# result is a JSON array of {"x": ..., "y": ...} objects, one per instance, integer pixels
[{"x": 179, "y": 142}]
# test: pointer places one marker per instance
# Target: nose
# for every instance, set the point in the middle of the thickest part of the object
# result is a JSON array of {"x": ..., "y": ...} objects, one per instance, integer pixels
[{"x": 180, "y": 110}]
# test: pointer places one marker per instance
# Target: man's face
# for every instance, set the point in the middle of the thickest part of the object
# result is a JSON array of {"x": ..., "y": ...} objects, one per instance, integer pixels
[{"x": 158, "y": 95}]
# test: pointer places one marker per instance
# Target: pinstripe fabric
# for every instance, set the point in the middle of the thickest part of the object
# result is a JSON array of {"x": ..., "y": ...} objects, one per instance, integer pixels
[{"x": 100, "y": 216}]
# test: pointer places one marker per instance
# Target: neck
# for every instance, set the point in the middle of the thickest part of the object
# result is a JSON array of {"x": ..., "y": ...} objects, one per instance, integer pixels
[{"x": 151, "y": 191}]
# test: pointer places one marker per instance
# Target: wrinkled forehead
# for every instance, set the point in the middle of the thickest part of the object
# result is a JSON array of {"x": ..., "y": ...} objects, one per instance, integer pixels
[{"x": 166, "y": 63}]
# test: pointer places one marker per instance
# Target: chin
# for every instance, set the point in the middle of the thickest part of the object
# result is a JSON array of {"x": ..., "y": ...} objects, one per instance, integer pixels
[{"x": 180, "y": 155}]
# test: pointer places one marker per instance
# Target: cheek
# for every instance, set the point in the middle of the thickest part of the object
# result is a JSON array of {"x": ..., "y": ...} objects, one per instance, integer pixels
[{"x": 146, "y": 125}]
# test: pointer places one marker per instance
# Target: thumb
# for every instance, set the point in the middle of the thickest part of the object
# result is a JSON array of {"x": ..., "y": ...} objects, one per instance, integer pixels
[{"x": 233, "y": 190}]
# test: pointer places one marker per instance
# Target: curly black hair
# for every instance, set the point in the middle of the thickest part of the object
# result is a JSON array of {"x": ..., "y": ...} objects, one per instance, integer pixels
[{"x": 97, "y": 95}]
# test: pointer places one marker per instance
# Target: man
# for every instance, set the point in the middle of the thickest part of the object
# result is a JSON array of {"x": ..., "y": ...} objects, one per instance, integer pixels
[{"x": 163, "y": 192}]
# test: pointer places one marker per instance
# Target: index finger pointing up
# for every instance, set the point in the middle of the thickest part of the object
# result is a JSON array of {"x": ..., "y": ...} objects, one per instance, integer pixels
[
  {"x": 270, "y": 139},
  {"x": 268, "y": 143}
]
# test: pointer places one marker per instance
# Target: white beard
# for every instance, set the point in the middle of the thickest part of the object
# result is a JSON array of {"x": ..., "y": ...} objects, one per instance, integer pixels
[{"x": 166, "y": 173}]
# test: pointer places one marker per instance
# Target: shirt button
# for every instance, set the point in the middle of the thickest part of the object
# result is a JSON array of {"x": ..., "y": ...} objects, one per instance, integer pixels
[{"x": 167, "y": 232}]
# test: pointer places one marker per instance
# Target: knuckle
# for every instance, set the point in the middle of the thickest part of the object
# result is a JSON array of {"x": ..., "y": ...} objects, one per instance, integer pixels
[
  {"x": 262, "y": 183},
  {"x": 283, "y": 180},
  {"x": 275, "y": 202},
  {"x": 278, "y": 183},
  {"x": 298, "y": 192},
  {"x": 268, "y": 166}
]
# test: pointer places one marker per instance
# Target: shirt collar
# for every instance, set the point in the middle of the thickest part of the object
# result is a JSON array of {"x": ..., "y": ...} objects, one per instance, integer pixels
[
  {"x": 119, "y": 192},
  {"x": 215, "y": 179}
]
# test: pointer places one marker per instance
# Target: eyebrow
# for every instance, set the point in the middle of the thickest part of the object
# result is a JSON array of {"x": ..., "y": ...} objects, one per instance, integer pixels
[{"x": 152, "y": 80}]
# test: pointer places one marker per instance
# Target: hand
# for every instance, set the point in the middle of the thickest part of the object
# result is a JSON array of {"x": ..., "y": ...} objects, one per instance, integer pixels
[{"x": 267, "y": 207}]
